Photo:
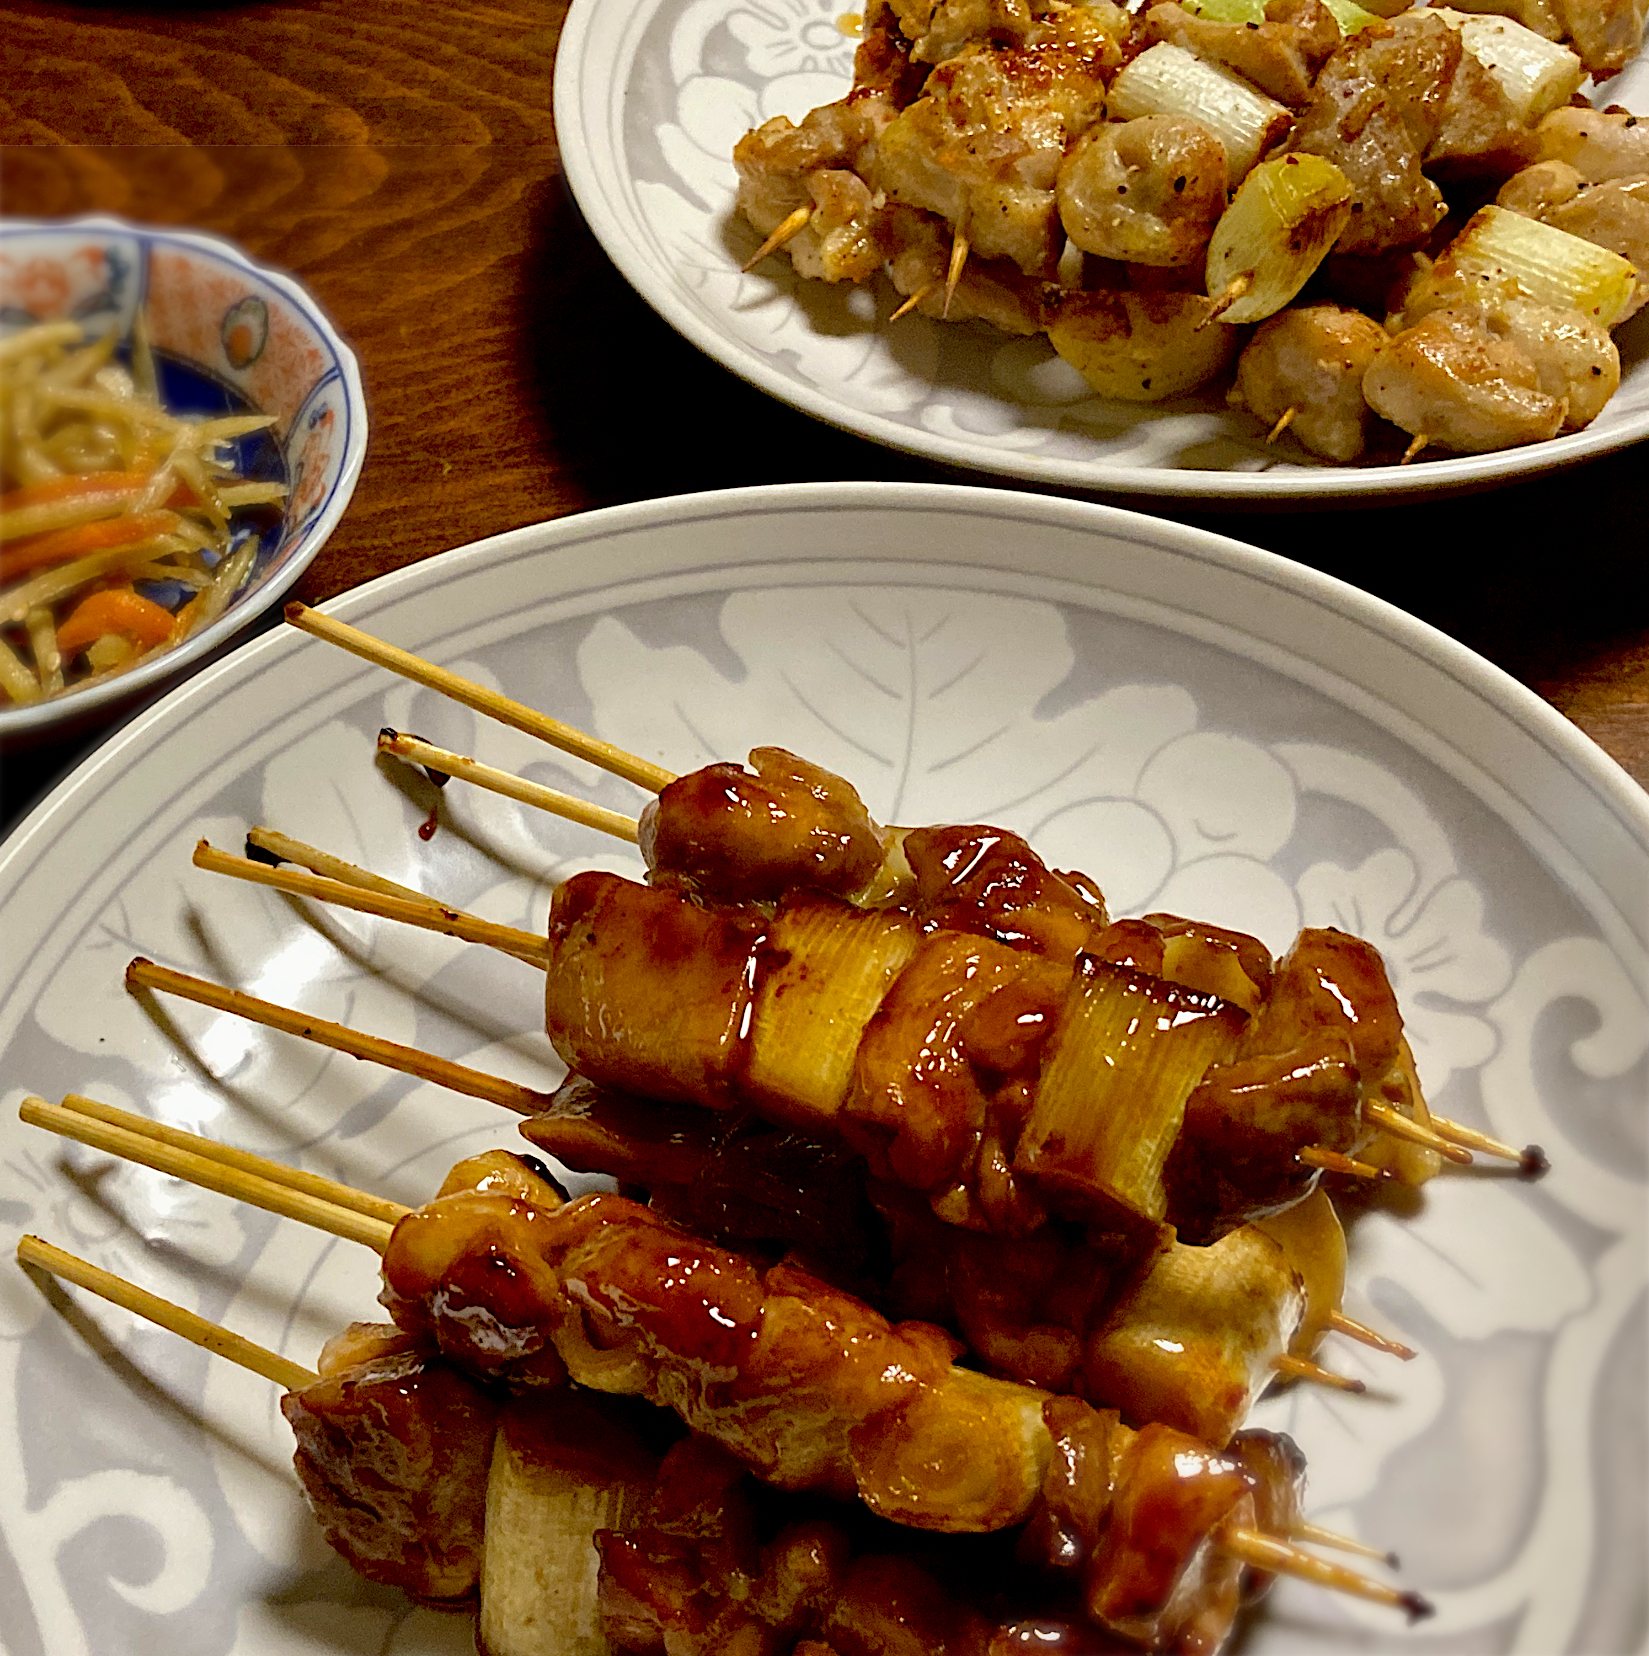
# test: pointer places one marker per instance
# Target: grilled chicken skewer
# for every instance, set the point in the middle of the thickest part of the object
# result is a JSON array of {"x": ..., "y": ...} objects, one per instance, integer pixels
[{"x": 1213, "y": 1499}]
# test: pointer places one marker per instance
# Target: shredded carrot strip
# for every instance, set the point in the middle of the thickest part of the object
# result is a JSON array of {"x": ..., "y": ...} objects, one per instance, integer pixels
[
  {"x": 118, "y": 610},
  {"x": 91, "y": 495},
  {"x": 69, "y": 487},
  {"x": 57, "y": 546}
]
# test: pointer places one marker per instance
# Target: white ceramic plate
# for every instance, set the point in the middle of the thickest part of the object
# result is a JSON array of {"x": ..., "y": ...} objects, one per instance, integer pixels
[
  {"x": 1203, "y": 726},
  {"x": 650, "y": 98}
]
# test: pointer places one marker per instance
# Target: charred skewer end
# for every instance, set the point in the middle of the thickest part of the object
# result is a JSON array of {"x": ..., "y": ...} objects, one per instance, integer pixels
[
  {"x": 1416, "y": 1607},
  {"x": 1533, "y": 1163}
]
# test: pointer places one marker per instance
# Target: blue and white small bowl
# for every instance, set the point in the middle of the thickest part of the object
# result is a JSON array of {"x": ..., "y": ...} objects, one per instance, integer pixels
[{"x": 228, "y": 336}]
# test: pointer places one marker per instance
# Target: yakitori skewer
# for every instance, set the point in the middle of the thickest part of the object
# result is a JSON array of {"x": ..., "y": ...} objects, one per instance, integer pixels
[
  {"x": 527, "y": 1101},
  {"x": 495, "y": 706},
  {"x": 269, "y": 1185}
]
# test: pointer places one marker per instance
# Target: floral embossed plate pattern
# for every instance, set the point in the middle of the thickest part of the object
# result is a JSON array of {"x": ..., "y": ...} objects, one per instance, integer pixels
[
  {"x": 649, "y": 100},
  {"x": 1202, "y": 726}
]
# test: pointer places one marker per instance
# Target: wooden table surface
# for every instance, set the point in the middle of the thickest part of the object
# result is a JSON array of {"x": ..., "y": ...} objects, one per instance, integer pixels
[{"x": 400, "y": 157}]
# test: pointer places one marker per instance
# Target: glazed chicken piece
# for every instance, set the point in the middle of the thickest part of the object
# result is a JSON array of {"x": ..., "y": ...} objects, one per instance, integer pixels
[
  {"x": 1308, "y": 363},
  {"x": 393, "y": 1447},
  {"x": 1374, "y": 111},
  {"x": 1328, "y": 1036},
  {"x": 821, "y": 166},
  {"x": 807, "y": 1386},
  {"x": 1478, "y": 378},
  {"x": 750, "y": 834},
  {"x": 990, "y": 882},
  {"x": 1147, "y": 191},
  {"x": 1281, "y": 56},
  {"x": 1130, "y": 1521},
  {"x": 981, "y": 147}
]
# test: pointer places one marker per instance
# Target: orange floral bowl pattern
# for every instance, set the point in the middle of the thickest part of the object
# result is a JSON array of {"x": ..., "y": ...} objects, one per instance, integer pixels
[{"x": 228, "y": 334}]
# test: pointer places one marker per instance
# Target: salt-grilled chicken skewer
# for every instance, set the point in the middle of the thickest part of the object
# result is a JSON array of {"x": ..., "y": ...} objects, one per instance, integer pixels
[{"x": 1213, "y": 1500}]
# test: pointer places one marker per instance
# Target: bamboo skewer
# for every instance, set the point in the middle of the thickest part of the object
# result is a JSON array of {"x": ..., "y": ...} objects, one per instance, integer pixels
[
  {"x": 269, "y": 1185},
  {"x": 913, "y": 301},
  {"x": 1318, "y": 1536},
  {"x": 953, "y": 274},
  {"x": 1531, "y": 1159},
  {"x": 513, "y": 713},
  {"x": 209, "y": 1336},
  {"x": 294, "y": 1178},
  {"x": 1340, "y": 1323},
  {"x": 1284, "y": 421},
  {"x": 285, "y": 849},
  {"x": 474, "y": 1083},
  {"x": 425, "y": 912},
  {"x": 1265, "y": 1552},
  {"x": 195, "y": 1165},
  {"x": 1302, "y": 1368},
  {"x": 415, "y": 751},
  {"x": 1331, "y": 1161},
  {"x": 788, "y": 230},
  {"x": 1393, "y": 1121}
]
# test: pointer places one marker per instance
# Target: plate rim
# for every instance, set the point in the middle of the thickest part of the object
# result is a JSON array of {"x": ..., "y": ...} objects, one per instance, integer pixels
[
  {"x": 1563, "y": 740},
  {"x": 1298, "y": 486}
]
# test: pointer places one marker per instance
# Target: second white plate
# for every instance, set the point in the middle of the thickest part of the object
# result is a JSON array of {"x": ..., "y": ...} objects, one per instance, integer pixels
[{"x": 650, "y": 98}]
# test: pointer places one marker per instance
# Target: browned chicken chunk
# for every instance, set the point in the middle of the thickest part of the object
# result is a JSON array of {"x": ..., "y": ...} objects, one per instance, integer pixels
[
  {"x": 393, "y": 1451},
  {"x": 1307, "y": 363},
  {"x": 1375, "y": 110},
  {"x": 983, "y": 144},
  {"x": 1147, "y": 191}
]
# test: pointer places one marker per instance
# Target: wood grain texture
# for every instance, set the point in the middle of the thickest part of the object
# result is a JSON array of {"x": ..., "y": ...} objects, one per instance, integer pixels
[{"x": 399, "y": 156}]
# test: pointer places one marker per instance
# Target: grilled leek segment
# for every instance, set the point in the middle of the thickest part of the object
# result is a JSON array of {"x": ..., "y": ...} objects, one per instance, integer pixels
[
  {"x": 1537, "y": 75},
  {"x": 1168, "y": 80},
  {"x": 564, "y": 1465},
  {"x": 1508, "y": 255},
  {"x": 1128, "y": 1052},
  {"x": 1279, "y": 227}
]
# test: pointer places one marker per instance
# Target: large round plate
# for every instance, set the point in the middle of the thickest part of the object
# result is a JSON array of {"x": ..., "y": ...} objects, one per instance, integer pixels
[
  {"x": 649, "y": 100},
  {"x": 1203, "y": 726}
]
